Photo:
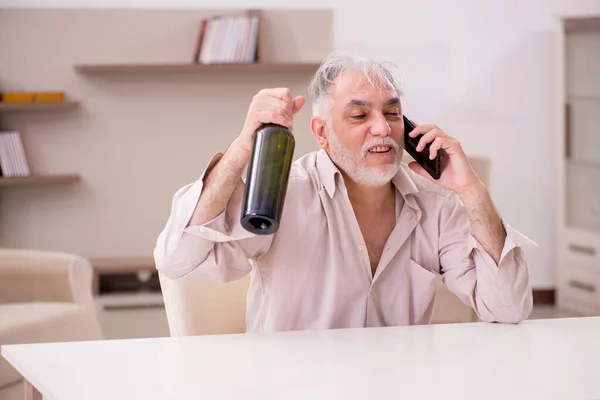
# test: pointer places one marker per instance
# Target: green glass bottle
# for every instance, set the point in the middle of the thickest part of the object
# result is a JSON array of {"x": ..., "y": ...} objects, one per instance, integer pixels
[{"x": 267, "y": 179}]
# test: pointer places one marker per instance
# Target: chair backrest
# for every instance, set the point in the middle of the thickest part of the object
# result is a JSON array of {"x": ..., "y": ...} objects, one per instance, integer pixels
[{"x": 197, "y": 306}]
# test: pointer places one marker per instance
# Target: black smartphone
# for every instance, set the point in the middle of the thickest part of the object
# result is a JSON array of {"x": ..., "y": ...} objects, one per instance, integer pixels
[{"x": 433, "y": 167}]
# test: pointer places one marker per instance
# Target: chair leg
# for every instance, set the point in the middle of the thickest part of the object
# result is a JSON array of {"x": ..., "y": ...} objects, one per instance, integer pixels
[{"x": 30, "y": 392}]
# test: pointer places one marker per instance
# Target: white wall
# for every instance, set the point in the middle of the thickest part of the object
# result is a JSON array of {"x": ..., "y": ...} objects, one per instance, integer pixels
[{"x": 485, "y": 71}]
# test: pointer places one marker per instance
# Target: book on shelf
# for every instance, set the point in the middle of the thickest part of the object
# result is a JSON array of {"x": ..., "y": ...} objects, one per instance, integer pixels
[
  {"x": 13, "y": 162},
  {"x": 226, "y": 39}
]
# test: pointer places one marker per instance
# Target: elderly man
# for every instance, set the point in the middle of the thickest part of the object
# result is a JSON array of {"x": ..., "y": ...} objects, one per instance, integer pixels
[{"x": 365, "y": 240}]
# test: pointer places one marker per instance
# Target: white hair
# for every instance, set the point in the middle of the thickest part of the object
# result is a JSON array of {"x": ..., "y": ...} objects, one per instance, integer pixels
[{"x": 376, "y": 72}]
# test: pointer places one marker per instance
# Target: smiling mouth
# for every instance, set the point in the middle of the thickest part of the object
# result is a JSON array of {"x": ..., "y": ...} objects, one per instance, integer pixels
[{"x": 380, "y": 149}]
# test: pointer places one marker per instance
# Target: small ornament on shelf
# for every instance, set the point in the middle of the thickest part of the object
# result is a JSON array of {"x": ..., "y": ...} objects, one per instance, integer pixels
[{"x": 32, "y": 97}]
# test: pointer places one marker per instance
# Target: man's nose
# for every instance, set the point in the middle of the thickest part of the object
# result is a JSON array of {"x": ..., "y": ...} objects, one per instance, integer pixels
[{"x": 380, "y": 126}]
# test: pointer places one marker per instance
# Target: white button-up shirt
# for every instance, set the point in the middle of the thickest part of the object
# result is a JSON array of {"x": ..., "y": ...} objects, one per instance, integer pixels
[{"x": 315, "y": 273}]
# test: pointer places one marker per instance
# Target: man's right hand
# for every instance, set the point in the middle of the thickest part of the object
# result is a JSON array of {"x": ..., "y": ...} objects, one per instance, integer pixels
[{"x": 269, "y": 106}]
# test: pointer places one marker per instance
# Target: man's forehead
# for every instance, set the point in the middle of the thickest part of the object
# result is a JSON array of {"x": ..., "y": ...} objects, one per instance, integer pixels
[
  {"x": 367, "y": 97},
  {"x": 355, "y": 85}
]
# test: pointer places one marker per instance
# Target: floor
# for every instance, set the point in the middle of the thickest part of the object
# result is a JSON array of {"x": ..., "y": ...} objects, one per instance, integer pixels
[
  {"x": 544, "y": 311},
  {"x": 449, "y": 309}
]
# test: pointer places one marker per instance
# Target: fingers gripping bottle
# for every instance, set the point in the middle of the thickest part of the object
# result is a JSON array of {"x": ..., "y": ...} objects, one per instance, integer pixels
[{"x": 267, "y": 179}]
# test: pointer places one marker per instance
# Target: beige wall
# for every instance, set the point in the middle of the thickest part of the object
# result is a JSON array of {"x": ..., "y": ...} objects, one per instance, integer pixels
[{"x": 137, "y": 137}]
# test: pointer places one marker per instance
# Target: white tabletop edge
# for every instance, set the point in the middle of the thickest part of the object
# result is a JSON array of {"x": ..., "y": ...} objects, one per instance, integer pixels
[{"x": 6, "y": 349}]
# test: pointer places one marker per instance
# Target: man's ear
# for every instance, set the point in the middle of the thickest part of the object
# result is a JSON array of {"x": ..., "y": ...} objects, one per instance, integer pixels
[{"x": 319, "y": 129}]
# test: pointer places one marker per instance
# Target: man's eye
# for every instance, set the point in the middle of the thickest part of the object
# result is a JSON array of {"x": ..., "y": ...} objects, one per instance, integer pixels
[
  {"x": 393, "y": 114},
  {"x": 359, "y": 116}
]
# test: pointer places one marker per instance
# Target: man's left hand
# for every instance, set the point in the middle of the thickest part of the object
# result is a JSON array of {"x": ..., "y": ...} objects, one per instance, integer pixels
[{"x": 457, "y": 174}]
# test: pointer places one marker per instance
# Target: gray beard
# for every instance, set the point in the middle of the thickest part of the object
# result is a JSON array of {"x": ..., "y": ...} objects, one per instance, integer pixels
[{"x": 354, "y": 165}]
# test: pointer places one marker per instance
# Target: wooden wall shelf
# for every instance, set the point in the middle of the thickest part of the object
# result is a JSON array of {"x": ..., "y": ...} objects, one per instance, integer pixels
[
  {"x": 48, "y": 106},
  {"x": 35, "y": 180},
  {"x": 582, "y": 24},
  {"x": 190, "y": 67}
]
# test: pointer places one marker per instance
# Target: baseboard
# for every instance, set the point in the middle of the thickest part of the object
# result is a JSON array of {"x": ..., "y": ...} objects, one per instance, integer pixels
[{"x": 544, "y": 296}]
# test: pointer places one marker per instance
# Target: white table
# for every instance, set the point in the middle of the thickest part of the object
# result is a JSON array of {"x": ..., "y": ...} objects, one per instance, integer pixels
[{"x": 542, "y": 359}]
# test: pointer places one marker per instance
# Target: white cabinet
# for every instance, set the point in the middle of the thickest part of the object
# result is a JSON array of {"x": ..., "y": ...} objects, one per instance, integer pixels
[
  {"x": 128, "y": 298},
  {"x": 583, "y": 196},
  {"x": 582, "y": 61},
  {"x": 578, "y": 250},
  {"x": 584, "y": 132},
  {"x": 132, "y": 315}
]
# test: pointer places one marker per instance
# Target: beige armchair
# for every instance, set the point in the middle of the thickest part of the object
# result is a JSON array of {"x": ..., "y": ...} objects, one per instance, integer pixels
[
  {"x": 44, "y": 297},
  {"x": 195, "y": 306}
]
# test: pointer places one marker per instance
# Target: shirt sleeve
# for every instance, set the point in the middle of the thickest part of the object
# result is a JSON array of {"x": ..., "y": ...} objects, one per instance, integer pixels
[
  {"x": 497, "y": 292},
  {"x": 219, "y": 249}
]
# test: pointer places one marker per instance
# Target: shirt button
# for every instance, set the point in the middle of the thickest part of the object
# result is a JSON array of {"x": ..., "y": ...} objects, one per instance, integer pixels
[
  {"x": 361, "y": 247},
  {"x": 202, "y": 229}
]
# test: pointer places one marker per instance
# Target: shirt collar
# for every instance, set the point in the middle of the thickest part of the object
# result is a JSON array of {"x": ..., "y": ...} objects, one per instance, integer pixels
[{"x": 331, "y": 176}]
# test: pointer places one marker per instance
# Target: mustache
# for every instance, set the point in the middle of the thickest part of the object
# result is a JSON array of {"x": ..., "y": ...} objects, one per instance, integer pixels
[{"x": 380, "y": 141}]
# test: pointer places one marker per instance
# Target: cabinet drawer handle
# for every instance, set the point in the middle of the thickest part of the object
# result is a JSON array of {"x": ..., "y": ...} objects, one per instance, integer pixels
[
  {"x": 582, "y": 249},
  {"x": 129, "y": 307},
  {"x": 583, "y": 286}
]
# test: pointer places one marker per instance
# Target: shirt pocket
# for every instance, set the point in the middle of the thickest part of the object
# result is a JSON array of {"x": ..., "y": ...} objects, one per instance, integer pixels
[{"x": 424, "y": 285}]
